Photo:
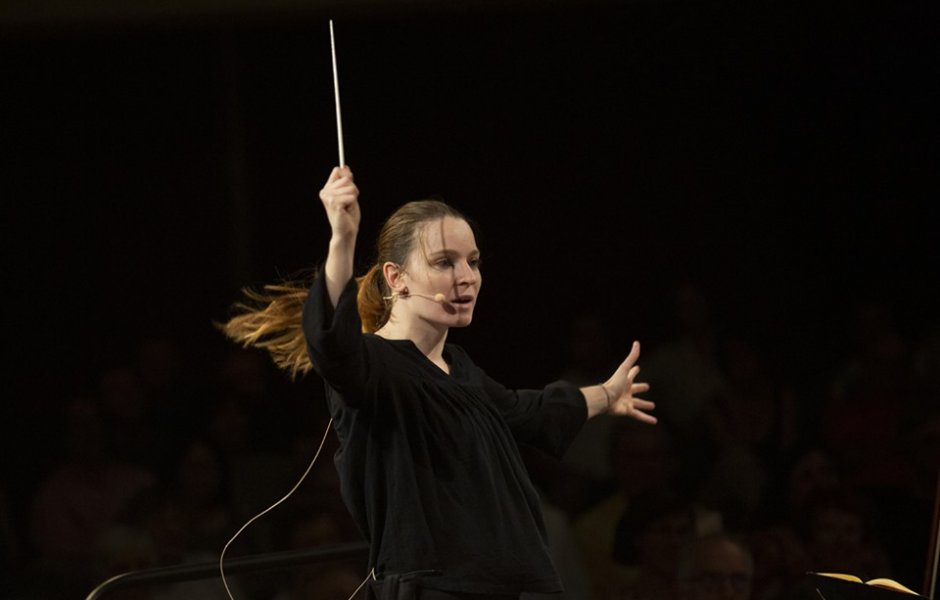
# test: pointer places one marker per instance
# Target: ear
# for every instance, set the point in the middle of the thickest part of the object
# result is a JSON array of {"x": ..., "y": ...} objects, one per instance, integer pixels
[{"x": 394, "y": 277}]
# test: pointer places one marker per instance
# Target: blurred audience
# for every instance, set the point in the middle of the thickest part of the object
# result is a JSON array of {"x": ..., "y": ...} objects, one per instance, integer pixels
[
  {"x": 81, "y": 497},
  {"x": 835, "y": 528},
  {"x": 870, "y": 397},
  {"x": 9, "y": 546},
  {"x": 583, "y": 476},
  {"x": 644, "y": 461},
  {"x": 685, "y": 375},
  {"x": 756, "y": 428},
  {"x": 122, "y": 549},
  {"x": 162, "y": 459},
  {"x": 647, "y": 541},
  {"x": 714, "y": 567}
]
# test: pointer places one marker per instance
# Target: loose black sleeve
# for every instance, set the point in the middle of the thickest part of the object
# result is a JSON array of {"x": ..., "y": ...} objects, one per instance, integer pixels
[
  {"x": 548, "y": 419},
  {"x": 334, "y": 339}
]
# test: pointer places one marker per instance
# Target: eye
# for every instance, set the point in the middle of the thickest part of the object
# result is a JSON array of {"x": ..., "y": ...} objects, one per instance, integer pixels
[
  {"x": 475, "y": 263},
  {"x": 443, "y": 263}
]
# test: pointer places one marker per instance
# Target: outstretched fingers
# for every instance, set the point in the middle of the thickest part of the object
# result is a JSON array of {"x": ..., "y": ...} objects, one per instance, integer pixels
[
  {"x": 641, "y": 416},
  {"x": 625, "y": 387}
]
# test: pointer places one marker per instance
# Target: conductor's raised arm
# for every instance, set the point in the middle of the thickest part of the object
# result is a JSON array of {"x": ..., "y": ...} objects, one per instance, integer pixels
[{"x": 340, "y": 198}]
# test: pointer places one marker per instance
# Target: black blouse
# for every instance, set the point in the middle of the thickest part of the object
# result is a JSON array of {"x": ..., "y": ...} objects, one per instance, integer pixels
[{"x": 428, "y": 461}]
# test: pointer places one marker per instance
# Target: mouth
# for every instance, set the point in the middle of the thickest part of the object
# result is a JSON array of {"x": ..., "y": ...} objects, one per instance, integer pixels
[{"x": 462, "y": 300}]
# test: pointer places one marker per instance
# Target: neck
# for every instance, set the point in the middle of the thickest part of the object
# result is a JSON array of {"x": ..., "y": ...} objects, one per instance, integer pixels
[{"x": 429, "y": 339}]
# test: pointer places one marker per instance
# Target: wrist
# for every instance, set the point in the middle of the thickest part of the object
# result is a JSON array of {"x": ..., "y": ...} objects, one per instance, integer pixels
[
  {"x": 606, "y": 396},
  {"x": 343, "y": 240}
]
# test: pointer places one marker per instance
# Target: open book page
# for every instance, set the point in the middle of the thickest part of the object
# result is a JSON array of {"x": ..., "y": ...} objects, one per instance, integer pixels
[
  {"x": 881, "y": 582},
  {"x": 842, "y": 576},
  {"x": 890, "y": 584}
]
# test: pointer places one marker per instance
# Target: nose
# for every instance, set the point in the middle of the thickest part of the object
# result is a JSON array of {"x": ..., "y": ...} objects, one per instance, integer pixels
[{"x": 464, "y": 274}]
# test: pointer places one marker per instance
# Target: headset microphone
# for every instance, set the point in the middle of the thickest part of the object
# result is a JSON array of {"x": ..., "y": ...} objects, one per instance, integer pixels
[{"x": 438, "y": 297}]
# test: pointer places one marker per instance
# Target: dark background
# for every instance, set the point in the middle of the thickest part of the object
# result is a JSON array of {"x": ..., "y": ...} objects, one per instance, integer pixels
[{"x": 782, "y": 154}]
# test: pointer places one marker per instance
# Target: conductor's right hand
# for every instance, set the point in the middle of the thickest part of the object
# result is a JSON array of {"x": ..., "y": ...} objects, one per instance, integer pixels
[{"x": 340, "y": 198}]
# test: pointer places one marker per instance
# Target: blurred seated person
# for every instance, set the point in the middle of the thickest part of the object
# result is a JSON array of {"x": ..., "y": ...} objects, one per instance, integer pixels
[
  {"x": 646, "y": 547},
  {"x": 715, "y": 567}
]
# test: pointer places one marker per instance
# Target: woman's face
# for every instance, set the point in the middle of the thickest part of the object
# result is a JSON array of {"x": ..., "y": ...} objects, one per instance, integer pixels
[{"x": 445, "y": 261}]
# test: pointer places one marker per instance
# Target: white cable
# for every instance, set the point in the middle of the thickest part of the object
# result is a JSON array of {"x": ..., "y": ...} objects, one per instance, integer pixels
[
  {"x": 268, "y": 509},
  {"x": 371, "y": 574}
]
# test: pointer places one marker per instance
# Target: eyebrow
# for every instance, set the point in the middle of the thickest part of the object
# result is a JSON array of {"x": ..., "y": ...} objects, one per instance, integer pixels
[{"x": 451, "y": 252}]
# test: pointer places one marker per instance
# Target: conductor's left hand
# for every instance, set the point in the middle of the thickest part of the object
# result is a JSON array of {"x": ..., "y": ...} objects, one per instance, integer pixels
[{"x": 622, "y": 389}]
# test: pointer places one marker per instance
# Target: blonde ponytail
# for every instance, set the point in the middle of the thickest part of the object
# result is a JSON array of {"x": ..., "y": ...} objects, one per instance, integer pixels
[
  {"x": 271, "y": 319},
  {"x": 371, "y": 300}
]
